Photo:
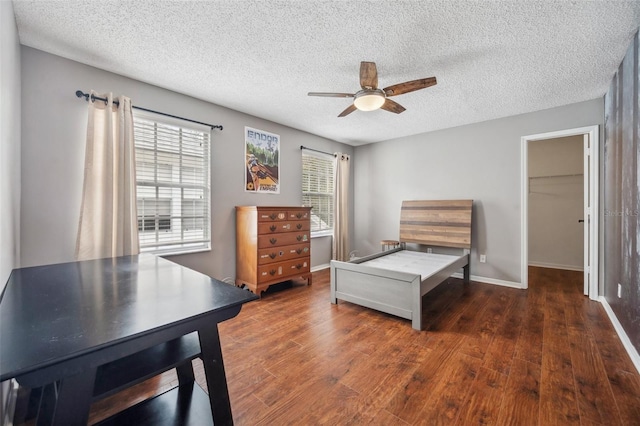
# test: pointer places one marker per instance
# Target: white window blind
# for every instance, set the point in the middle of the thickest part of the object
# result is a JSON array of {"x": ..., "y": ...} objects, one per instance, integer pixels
[
  {"x": 317, "y": 189},
  {"x": 172, "y": 173}
]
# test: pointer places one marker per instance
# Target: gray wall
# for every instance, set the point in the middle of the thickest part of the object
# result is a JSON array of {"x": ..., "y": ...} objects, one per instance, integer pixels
[
  {"x": 556, "y": 193},
  {"x": 53, "y": 138},
  {"x": 9, "y": 160},
  {"x": 9, "y": 143},
  {"x": 479, "y": 161},
  {"x": 621, "y": 194}
]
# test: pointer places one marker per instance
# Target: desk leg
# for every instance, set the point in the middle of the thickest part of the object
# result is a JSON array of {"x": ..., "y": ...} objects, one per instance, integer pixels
[
  {"x": 216, "y": 379},
  {"x": 46, "y": 404},
  {"x": 74, "y": 399},
  {"x": 185, "y": 373}
]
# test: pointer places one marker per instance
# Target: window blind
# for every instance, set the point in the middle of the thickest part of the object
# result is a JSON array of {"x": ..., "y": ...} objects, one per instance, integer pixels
[
  {"x": 317, "y": 190},
  {"x": 172, "y": 173}
]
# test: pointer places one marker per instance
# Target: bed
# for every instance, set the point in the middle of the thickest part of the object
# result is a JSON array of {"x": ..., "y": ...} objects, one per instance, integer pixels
[{"x": 394, "y": 281}]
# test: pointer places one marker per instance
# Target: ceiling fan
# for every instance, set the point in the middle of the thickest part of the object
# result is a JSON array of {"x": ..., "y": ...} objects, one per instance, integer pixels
[{"x": 371, "y": 98}]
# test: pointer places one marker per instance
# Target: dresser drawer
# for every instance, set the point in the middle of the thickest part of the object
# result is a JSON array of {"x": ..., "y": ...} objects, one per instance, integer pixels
[
  {"x": 284, "y": 239},
  {"x": 298, "y": 215},
  {"x": 272, "y": 215},
  {"x": 273, "y": 227},
  {"x": 278, "y": 254},
  {"x": 290, "y": 268}
]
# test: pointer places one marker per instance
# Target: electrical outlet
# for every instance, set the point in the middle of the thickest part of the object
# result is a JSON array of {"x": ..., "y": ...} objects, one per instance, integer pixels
[
  {"x": 483, "y": 258},
  {"x": 619, "y": 290},
  {"x": 429, "y": 250}
]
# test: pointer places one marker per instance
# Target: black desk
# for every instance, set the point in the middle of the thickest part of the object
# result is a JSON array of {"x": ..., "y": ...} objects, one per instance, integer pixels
[{"x": 61, "y": 322}]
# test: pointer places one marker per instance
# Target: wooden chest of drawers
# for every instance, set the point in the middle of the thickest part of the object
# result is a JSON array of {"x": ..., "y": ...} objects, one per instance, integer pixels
[{"x": 273, "y": 244}]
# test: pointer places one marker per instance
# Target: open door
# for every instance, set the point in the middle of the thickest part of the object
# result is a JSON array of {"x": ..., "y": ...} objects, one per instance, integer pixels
[
  {"x": 591, "y": 141},
  {"x": 587, "y": 215}
]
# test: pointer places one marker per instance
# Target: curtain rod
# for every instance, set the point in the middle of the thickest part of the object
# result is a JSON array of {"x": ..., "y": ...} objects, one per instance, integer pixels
[
  {"x": 321, "y": 152},
  {"x": 86, "y": 96}
]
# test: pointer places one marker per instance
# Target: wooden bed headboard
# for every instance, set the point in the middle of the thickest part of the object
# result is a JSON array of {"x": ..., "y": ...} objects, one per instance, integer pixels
[{"x": 444, "y": 223}]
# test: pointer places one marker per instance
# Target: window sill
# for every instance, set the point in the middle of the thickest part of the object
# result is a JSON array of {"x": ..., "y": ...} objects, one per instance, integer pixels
[
  {"x": 163, "y": 253},
  {"x": 321, "y": 234}
]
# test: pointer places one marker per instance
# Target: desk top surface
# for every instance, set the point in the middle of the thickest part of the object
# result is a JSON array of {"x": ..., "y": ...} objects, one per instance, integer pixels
[{"x": 57, "y": 312}]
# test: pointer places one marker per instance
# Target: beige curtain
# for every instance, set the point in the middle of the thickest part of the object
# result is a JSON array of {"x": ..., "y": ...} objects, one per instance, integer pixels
[
  {"x": 108, "y": 218},
  {"x": 341, "y": 208}
]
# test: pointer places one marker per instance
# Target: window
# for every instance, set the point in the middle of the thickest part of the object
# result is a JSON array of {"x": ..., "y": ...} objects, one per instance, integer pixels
[
  {"x": 317, "y": 190},
  {"x": 172, "y": 173}
]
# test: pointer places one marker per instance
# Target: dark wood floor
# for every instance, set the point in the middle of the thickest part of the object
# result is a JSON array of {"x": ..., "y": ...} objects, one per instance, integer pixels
[{"x": 489, "y": 355}]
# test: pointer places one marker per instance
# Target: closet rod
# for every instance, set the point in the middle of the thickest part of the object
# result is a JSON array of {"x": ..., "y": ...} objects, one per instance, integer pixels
[
  {"x": 556, "y": 176},
  {"x": 86, "y": 96},
  {"x": 321, "y": 152}
]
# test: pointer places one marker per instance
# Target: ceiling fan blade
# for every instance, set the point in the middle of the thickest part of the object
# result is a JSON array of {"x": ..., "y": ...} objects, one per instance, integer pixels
[
  {"x": 410, "y": 86},
  {"x": 392, "y": 106},
  {"x": 331, "y": 95},
  {"x": 368, "y": 75},
  {"x": 348, "y": 111}
]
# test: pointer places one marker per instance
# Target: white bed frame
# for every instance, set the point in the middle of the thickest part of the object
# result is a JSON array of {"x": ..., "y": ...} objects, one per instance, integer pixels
[{"x": 428, "y": 222}]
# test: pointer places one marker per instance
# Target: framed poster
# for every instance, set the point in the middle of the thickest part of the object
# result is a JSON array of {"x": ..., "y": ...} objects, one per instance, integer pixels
[{"x": 262, "y": 161}]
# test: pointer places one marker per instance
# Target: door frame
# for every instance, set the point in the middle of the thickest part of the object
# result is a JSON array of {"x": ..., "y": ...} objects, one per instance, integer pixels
[{"x": 594, "y": 188}]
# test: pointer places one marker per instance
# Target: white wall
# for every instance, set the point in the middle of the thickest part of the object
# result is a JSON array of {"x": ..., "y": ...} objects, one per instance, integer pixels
[
  {"x": 556, "y": 193},
  {"x": 9, "y": 143},
  {"x": 479, "y": 161},
  {"x": 53, "y": 131}
]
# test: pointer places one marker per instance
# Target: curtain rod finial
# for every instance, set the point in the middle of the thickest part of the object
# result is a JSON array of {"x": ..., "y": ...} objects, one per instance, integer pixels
[{"x": 80, "y": 94}]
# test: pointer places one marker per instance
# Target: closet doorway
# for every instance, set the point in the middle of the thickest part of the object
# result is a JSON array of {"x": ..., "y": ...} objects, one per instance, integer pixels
[{"x": 559, "y": 203}]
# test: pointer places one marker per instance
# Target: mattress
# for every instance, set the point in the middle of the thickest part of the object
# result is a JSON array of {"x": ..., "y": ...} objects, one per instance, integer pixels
[{"x": 415, "y": 262}]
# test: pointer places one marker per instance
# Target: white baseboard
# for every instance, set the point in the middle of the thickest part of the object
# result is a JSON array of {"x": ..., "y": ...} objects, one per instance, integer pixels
[
  {"x": 320, "y": 267},
  {"x": 486, "y": 280},
  {"x": 556, "y": 266},
  {"x": 631, "y": 350}
]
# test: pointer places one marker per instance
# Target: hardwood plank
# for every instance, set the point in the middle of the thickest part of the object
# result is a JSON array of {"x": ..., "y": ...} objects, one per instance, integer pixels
[
  {"x": 626, "y": 390},
  {"x": 375, "y": 394},
  {"x": 521, "y": 401},
  {"x": 407, "y": 401},
  {"x": 595, "y": 398},
  {"x": 477, "y": 341},
  {"x": 368, "y": 375},
  {"x": 621, "y": 374},
  {"x": 470, "y": 301},
  {"x": 482, "y": 405},
  {"x": 557, "y": 391},
  {"x": 436, "y": 303},
  {"x": 303, "y": 408},
  {"x": 337, "y": 358},
  {"x": 499, "y": 354},
  {"x": 368, "y": 409},
  {"x": 449, "y": 394},
  {"x": 385, "y": 418},
  {"x": 529, "y": 345},
  {"x": 246, "y": 408}
]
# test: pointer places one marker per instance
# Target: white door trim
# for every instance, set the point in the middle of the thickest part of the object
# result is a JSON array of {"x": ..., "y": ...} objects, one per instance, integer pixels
[{"x": 594, "y": 149}]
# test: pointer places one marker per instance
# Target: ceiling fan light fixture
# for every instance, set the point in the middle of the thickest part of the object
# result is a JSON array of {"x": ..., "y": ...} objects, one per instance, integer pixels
[{"x": 369, "y": 100}]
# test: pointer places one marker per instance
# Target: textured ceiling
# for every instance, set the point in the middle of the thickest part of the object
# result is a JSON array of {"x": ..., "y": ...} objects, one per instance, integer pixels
[{"x": 492, "y": 58}]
